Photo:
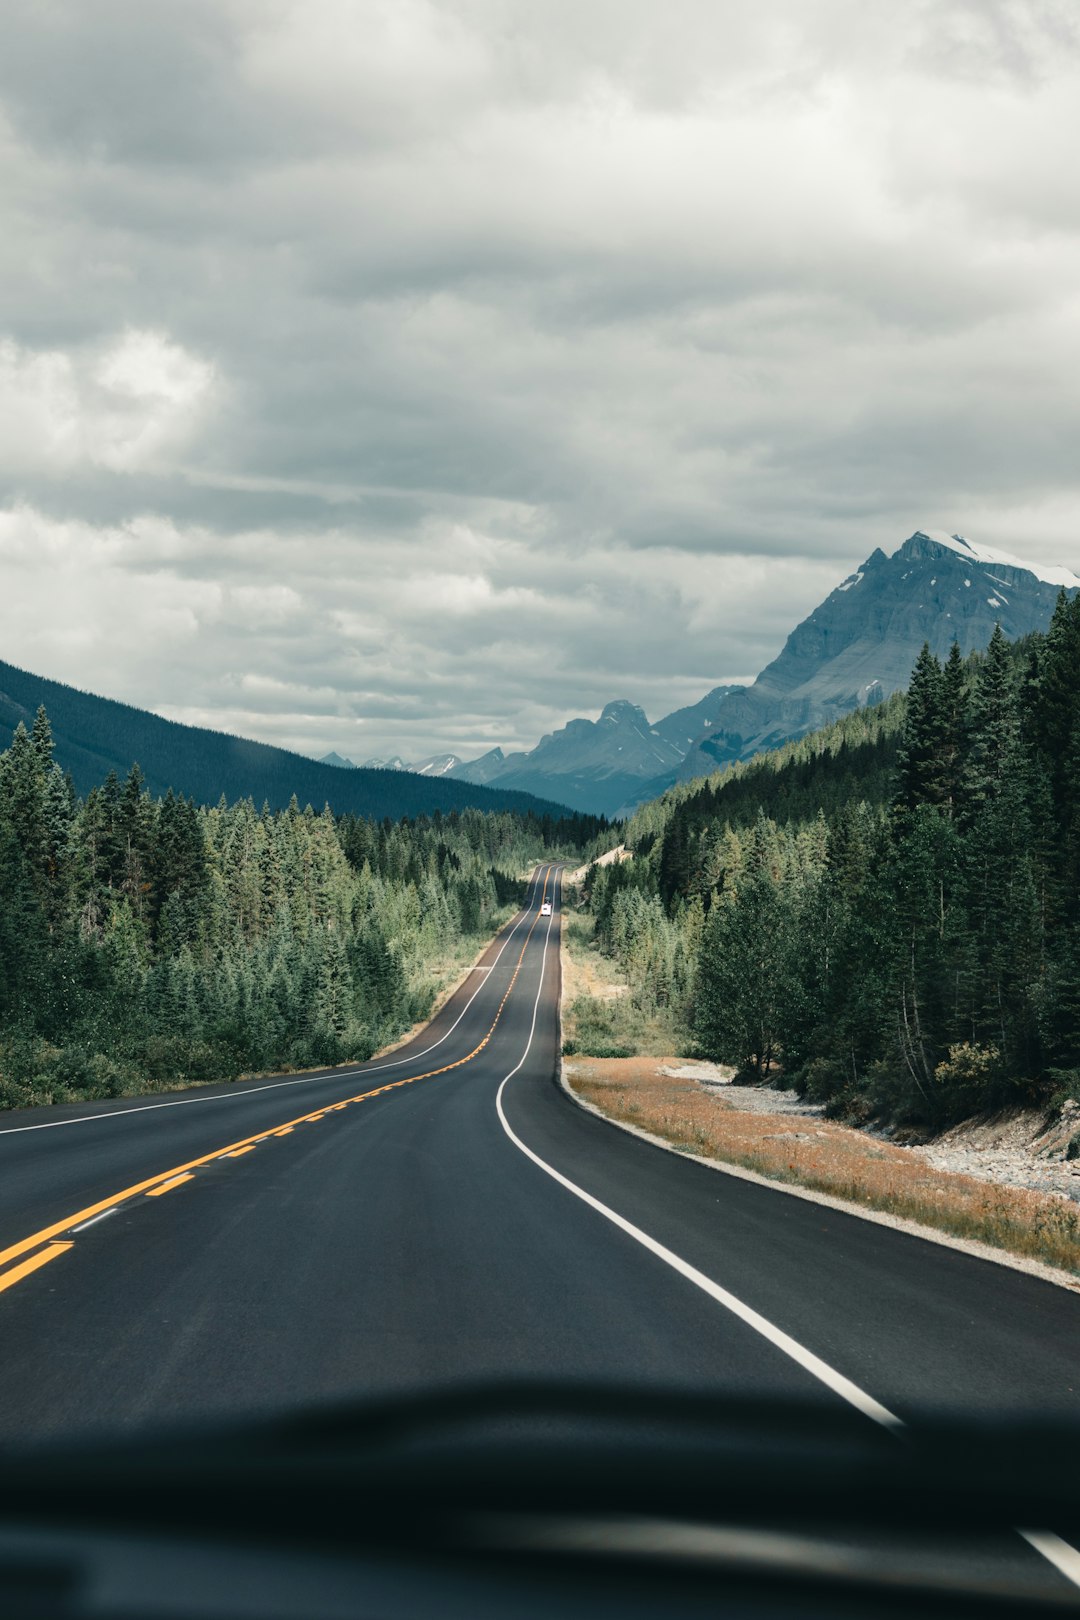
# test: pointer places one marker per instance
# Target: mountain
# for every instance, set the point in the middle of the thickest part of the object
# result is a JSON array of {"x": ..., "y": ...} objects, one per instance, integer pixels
[
  {"x": 685, "y": 726},
  {"x": 862, "y": 642},
  {"x": 95, "y": 735},
  {"x": 600, "y": 764},
  {"x": 855, "y": 649},
  {"x": 485, "y": 769},
  {"x": 437, "y": 765}
]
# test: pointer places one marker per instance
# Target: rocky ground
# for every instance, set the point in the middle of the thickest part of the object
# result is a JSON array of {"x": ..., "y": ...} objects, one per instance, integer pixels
[{"x": 1017, "y": 1148}]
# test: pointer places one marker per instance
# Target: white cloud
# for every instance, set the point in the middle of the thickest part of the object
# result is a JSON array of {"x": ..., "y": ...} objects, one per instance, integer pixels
[
  {"x": 367, "y": 643},
  {"x": 121, "y": 407},
  {"x": 461, "y": 366}
]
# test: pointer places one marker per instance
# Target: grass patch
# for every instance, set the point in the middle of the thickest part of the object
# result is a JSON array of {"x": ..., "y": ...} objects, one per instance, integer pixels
[{"x": 601, "y": 1016}]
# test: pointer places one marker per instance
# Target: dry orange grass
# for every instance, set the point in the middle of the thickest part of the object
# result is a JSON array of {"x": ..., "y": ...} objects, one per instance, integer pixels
[{"x": 832, "y": 1159}]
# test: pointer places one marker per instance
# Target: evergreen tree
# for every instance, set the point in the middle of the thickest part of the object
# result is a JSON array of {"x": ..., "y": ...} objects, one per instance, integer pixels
[
  {"x": 42, "y": 738},
  {"x": 742, "y": 983},
  {"x": 954, "y": 703},
  {"x": 922, "y": 762}
]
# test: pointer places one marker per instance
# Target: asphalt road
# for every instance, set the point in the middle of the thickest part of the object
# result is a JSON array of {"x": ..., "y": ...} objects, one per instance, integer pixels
[{"x": 446, "y": 1213}]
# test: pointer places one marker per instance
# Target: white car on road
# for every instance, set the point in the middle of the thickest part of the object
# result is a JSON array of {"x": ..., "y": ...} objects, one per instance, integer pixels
[{"x": 545, "y": 909}]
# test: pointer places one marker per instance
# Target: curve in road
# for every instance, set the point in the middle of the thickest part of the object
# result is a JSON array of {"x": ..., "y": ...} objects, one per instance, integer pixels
[{"x": 154, "y": 1266}]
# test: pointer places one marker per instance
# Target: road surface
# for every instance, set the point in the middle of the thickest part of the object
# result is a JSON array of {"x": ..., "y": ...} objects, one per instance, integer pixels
[{"x": 446, "y": 1212}]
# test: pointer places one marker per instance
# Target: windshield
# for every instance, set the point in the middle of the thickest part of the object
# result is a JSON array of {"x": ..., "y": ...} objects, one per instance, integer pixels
[{"x": 523, "y": 866}]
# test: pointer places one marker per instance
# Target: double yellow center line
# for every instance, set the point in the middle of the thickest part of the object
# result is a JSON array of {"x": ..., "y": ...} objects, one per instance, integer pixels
[{"x": 166, "y": 1180}]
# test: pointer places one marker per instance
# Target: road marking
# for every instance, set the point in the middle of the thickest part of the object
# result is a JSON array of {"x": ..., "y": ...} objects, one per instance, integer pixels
[
  {"x": 167, "y": 1186},
  {"x": 238, "y": 1153},
  {"x": 182, "y": 1172},
  {"x": 806, "y": 1359},
  {"x": 95, "y": 1218},
  {"x": 36, "y": 1261},
  {"x": 1064, "y": 1558},
  {"x": 277, "y": 1085}
]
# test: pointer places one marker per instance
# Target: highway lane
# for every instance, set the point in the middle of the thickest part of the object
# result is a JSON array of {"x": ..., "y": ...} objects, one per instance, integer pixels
[
  {"x": 401, "y": 1241},
  {"x": 918, "y": 1325},
  {"x": 58, "y": 1161},
  {"x": 423, "y": 1183},
  {"x": 410, "y": 1239}
]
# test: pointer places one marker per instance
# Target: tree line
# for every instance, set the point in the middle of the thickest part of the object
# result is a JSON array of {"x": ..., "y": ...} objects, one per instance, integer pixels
[
  {"x": 145, "y": 941},
  {"x": 888, "y": 909}
]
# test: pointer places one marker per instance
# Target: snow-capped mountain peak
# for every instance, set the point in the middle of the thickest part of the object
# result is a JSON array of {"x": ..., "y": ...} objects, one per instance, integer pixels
[
  {"x": 436, "y": 765},
  {"x": 1048, "y": 573},
  {"x": 854, "y": 648}
]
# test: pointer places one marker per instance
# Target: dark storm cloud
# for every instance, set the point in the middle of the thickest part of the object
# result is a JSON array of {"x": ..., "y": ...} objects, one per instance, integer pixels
[{"x": 387, "y": 376}]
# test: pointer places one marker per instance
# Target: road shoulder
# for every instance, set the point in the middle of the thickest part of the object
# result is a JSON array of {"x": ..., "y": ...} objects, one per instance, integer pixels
[{"x": 970, "y": 1246}]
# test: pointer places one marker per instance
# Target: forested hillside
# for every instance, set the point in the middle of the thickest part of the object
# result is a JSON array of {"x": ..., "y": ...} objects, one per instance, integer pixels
[
  {"x": 145, "y": 941},
  {"x": 94, "y": 735},
  {"x": 888, "y": 909}
]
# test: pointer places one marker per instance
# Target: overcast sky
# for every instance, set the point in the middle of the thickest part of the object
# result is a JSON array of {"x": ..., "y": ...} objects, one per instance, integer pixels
[{"x": 390, "y": 376}]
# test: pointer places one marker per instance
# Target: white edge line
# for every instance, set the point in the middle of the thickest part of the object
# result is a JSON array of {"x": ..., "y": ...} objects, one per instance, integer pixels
[
  {"x": 976, "y": 1249},
  {"x": 95, "y": 1218},
  {"x": 1065, "y": 1559},
  {"x": 782, "y": 1341},
  {"x": 275, "y": 1085}
]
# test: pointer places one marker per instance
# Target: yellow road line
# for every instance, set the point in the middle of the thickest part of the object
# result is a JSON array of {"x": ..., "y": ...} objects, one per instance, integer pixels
[
  {"x": 180, "y": 1172},
  {"x": 238, "y": 1153},
  {"x": 35, "y": 1262},
  {"x": 167, "y": 1186}
]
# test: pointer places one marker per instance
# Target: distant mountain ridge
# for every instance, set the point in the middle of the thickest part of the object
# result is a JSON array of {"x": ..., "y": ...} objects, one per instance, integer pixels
[
  {"x": 586, "y": 761},
  {"x": 96, "y": 735},
  {"x": 857, "y": 647}
]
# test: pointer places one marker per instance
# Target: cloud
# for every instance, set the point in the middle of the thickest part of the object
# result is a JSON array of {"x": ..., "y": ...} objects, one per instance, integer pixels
[
  {"x": 134, "y": 399},
  {"x": 462, "y": 366}
]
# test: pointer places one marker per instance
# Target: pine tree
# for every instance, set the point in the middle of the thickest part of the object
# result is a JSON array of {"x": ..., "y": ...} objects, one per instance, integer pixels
[
  {"x": 954, "y": 702},
  {"x": 922, "y": 760},
  {"x": 23, "y": 791},
  {"x": 135, "y": 830},
  {"x": 992, "y": 750},
  {"x": 42, "y": 738},
  {"x": 742, "y": 982},
  {"x": 1058, "y": 696}
]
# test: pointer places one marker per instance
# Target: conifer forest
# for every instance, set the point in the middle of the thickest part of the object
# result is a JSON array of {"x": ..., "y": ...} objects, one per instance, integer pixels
[
  {"x": 146, "y": 942},
  {"x": 885, "y": 912}
]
